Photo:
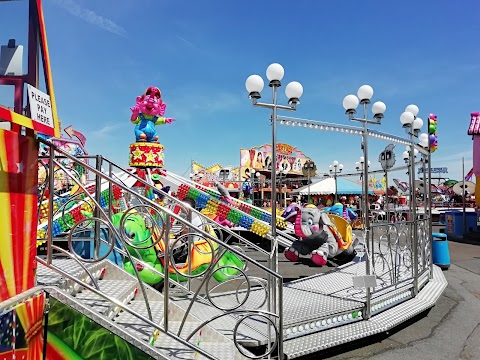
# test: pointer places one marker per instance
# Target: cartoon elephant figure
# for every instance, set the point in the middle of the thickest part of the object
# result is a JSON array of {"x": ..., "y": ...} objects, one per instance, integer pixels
[{"x": 319, "y": 237}]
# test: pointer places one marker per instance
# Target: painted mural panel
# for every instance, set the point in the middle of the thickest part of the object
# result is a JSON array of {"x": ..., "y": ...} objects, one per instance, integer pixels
[
  {"x": 73, "y": 336},
  {"x": 21, "y": 330},
  {"x": 259, "y": 158},
  {"x": 18, "y": 212}
]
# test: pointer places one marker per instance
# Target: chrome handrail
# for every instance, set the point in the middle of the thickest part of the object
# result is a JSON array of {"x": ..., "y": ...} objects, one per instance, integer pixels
[{"x": 167, "y": 212}]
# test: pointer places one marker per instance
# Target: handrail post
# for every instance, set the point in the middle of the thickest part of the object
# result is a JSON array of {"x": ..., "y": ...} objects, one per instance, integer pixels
[
  {"x": 166, "y": 281},
  {"x": 97, "y": 212},
  {"x": 51, "y": 187}
]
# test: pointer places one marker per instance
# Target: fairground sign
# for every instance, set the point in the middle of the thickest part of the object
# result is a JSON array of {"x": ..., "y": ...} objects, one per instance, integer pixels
[{"x": 439, "y": 170}]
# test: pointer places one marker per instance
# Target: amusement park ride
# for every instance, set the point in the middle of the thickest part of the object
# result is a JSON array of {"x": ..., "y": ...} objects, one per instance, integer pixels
[{"x": 152, "y": 276}]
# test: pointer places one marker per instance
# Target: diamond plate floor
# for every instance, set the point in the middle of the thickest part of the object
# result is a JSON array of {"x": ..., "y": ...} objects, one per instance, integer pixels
[
  {"x": 118, "y": 289},
  {"x": 384, "y": 321},
  {"x": 320, "y": 311}
]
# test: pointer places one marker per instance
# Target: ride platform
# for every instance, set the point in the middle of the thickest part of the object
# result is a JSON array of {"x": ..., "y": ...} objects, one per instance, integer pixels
[
  {"x": 320, "y": 312},
  {"x": 326, "y": 310}
]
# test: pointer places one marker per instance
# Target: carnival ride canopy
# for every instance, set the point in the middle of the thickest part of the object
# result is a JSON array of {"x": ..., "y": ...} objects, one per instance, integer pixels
[{"x": 327, "y": 186}]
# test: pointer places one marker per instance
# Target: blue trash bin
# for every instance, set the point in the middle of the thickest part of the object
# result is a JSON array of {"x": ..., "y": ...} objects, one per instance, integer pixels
[{"x": 440, "y": 252}]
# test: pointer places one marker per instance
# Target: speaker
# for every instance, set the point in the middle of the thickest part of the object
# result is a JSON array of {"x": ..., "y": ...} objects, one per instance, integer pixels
[{"x": 11, "y": 59}]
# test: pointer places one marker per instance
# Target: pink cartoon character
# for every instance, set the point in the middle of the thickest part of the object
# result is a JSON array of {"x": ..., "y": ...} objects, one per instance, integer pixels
[{"x": 147, "y": 113}]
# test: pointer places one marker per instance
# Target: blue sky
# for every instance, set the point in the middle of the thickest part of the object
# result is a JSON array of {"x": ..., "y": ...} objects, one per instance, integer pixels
[{"x": 105, "y": 53}]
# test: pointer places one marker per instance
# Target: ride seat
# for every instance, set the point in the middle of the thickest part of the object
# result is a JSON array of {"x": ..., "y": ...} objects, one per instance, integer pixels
[{"x": 342, "y": 230}]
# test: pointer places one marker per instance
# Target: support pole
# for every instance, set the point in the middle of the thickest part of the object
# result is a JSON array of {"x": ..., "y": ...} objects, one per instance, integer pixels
[
  {"x": 97, "y": 212},
  {"x": 366, "y": 212},
  {"x": 463, "y": 196},
  {"x": 413, "y": 212}
]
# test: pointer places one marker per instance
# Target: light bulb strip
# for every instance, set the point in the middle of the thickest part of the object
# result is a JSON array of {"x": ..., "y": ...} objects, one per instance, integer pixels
[
  {"x": 318, "y": 125},
  {"x": 354, "y": 130},
  {"x": 392, "y": 301},
  {"x": 394, "y": 138},
  {"x": 242, "y": 214},
  {"x": 322, "y": 324}
]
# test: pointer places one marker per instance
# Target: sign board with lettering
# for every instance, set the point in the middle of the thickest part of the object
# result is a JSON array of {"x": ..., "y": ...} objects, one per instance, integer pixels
[
  {"x": 40, "y": 107},
  {"x": 439, "y": 170}
]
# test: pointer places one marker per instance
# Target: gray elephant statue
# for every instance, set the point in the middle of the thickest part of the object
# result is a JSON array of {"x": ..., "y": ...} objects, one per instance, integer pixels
[{"x": 320, "y": 237}]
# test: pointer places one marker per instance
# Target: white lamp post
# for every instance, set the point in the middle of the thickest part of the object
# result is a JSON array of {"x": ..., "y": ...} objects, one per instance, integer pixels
[
  {"x": 282, "y": 174},
  {"x": 309, "y": 169},
  {"x": 260, "y": 185},
  {"x": 350, "y": 104},
  {"x": 412, "y": 125},
  {"x": 335, "y": 169},
  {"x": 294, "y": 91},
  {"x": 359, "y": 166}
]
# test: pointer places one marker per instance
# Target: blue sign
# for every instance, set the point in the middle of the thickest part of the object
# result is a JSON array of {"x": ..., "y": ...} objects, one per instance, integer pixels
[{"x": 439, "y": 170}]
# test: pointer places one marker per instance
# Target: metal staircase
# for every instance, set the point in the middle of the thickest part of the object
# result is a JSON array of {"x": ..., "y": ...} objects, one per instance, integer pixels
[
  {"x": 127, "y": 315},
  {"x": 117, "y": 300}
]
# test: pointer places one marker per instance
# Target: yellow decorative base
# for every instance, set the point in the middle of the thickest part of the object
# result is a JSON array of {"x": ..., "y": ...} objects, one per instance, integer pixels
[{"x": 145, "y": 154}]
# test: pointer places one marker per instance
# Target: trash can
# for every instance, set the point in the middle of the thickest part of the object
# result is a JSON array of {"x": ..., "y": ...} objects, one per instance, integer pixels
[{"x": 440, "y": 252}]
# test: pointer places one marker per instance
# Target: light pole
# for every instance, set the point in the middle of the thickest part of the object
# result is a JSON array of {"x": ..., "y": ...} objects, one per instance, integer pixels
[
  {"x": 260, "y": 185},
  {"x": 294, "y": 91},
  {"x": 424, "y": 142},
  {"x": 309, "y": 169},
  {"x": 350, "y": 103},
  {"x": 335, "y": 169},
  {"x": 412, "y": 125},
  {"x": 282, "y": 174},
  {"x": 359, "y": 166}
]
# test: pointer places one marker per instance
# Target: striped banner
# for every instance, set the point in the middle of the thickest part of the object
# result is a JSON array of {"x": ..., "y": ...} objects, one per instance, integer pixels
[
  {"x": 18, "y": 212},
  {"x": 21, "y": 120}
]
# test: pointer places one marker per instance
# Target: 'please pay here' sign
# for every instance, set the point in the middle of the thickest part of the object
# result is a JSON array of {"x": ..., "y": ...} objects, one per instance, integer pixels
[{"x": 40, "y": 106}]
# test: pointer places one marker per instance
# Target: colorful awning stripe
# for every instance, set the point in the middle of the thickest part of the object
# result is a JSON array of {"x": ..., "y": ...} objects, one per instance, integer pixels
[{"x": 18, "y": 212}]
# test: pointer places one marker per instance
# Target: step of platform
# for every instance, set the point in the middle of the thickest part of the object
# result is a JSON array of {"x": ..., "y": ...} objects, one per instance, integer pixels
[
  {"x": 48, "y": 277},
  {"x": 378, "y": 323},
  {"x": 122, "y": 290},
  {"x": 116, "y": 283}
]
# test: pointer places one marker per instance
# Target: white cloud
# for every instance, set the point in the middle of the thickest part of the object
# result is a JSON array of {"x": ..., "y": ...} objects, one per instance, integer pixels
[
  {"x": 188, "y": 106},
  {"x": 187, "y": 42},
  {"x": 90, "y": 17},
  {"x": 106, "y": 131}
]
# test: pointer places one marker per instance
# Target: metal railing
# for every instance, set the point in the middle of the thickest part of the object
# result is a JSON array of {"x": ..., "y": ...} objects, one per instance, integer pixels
[
  {"x": 95, "y": 201},
  {"x": 392, "y": 253}
]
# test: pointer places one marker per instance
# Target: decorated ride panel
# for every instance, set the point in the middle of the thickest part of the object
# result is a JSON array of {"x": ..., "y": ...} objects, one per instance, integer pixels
[{"x": 143, "y": 154}]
